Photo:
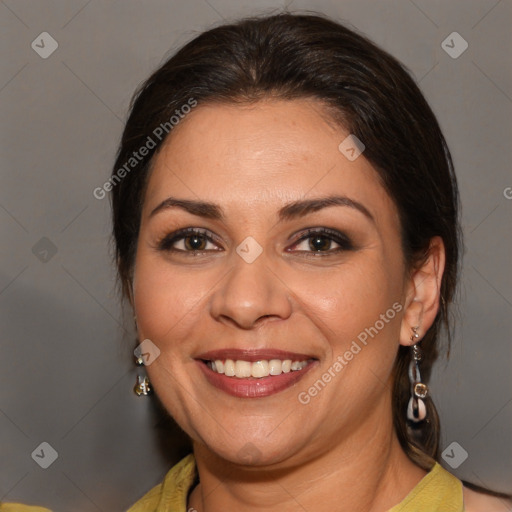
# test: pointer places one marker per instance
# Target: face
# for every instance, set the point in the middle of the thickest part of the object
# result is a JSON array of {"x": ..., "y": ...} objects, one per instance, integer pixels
[{"x": 256, "y": 270}]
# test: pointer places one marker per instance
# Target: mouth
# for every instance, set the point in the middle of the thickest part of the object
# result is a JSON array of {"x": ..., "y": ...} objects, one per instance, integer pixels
[
  {"x": 241, "y": 369},
  {"x": 253, "y": 374}
]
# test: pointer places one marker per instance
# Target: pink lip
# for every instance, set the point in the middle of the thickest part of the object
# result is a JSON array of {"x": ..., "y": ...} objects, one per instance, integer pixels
[
  {"x": 252, "y": 355},
  {"x": 254, "y": 387}
]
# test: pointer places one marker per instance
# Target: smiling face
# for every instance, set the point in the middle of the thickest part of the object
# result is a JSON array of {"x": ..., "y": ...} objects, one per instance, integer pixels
[{"x": 269, "y": 272}]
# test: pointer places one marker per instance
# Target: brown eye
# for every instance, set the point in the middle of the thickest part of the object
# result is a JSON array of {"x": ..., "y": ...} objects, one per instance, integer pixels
[
  {"x": 320, "y": 241},
  {"x": 188, "y": 240},
  {"x": 195, "y": 242}
]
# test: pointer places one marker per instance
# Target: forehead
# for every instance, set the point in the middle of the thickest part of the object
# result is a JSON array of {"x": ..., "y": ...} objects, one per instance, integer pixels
[{"x": 258, "y": 154}]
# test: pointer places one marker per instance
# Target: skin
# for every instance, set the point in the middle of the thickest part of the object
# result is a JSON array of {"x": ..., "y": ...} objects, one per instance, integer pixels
[
  {"x": 478, "y": 502},
  {"x": 339, "y": 451}
]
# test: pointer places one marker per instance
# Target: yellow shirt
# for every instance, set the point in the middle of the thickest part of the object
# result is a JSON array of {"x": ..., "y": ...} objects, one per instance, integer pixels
[{"x": 437, "y": 491}]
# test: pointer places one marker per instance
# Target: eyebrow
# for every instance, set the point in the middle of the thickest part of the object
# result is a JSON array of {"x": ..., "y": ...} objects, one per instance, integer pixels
[{"x": 295, "y": 209}]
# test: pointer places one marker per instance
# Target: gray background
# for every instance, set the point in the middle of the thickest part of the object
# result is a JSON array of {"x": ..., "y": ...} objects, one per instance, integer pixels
[{"x": 66, "y": 370}]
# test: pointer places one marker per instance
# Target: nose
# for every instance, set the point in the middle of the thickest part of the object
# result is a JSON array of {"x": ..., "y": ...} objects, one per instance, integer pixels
[{"x": 251, "y": 293}]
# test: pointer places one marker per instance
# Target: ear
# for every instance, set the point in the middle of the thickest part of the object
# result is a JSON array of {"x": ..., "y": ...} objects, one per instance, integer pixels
[{"x": 423, "y": 293}]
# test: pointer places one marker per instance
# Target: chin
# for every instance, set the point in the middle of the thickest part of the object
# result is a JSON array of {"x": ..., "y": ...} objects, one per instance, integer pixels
[{"x": 257, "y": 453}]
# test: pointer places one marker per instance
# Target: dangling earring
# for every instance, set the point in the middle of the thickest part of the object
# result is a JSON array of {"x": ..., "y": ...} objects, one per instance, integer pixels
[
  {"x": 142, "y": 386},
  {"x": 416, "y": 409}
]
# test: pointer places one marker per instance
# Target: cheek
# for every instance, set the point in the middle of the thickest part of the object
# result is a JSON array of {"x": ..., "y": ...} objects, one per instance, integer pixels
[
  {"x": 164, "y": 297},
  {"x": 354, "y": 296},
  {"x": 358, "y": 311}
]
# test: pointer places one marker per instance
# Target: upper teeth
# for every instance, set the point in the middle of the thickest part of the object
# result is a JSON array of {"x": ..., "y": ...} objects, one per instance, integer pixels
[{"x": 258, "y": 369}]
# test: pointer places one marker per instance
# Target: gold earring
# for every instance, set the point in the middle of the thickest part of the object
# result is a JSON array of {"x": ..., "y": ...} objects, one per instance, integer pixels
[{"x": 142, "y": 385}]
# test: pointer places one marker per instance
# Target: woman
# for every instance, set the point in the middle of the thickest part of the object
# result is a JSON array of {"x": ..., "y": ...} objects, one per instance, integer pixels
[
  {"x": 290, "y": 251},
  {"x": 286, "y": 226}
]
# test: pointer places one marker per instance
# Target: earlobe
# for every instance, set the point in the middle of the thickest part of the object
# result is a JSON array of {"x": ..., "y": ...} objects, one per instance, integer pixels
[
  {"x": 423, "y": 292},
  {"x": 412, "y": 319}
]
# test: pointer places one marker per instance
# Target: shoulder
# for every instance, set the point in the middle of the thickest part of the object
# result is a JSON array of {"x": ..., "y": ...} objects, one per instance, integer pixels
[
  {"x": 172, "y": 491},
  {"x": 18, "y": 507},
  {"x": 479, "y": 502}
]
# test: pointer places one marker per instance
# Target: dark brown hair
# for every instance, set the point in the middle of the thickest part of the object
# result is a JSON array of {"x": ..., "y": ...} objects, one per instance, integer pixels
[{"x": 366, "y": 91}]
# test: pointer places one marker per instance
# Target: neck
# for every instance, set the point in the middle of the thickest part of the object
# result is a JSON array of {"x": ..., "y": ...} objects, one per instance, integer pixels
[{"x": 367, "y": 471}]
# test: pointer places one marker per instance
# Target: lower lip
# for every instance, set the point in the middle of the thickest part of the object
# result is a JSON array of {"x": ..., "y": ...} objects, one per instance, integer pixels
[{"x": 253, "y": 387}]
